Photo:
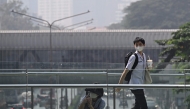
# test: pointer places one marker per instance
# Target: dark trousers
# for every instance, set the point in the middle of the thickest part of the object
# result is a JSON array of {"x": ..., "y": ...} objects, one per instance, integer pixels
[{"x": 140, "y": 101}]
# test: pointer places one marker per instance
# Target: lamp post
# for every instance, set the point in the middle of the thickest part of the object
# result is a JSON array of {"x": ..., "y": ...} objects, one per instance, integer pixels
[
  {"x": 45, "y": 25},
  {"x": 50, "y": 26},
  {"x": 55, "y": 27},
  {"x": 0, "y": 18}
]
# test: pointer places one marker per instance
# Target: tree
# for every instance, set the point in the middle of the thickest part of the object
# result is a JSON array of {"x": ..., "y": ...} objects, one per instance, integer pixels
[
  {"x": 11, "y": 21},
  {"x": 178, "y": 46},
  {"x": 155, "y": 14}
]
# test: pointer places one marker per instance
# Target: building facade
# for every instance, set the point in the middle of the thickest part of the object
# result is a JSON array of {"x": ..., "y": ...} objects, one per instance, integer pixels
[{"x": 82, "y": 49}]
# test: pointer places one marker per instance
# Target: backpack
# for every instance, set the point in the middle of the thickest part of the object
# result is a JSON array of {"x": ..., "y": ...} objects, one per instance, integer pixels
[{"x": 128, "y": 76}]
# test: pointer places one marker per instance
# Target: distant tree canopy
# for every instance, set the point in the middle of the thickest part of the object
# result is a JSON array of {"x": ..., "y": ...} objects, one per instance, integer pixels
[
  {"x": 155, "y": 14},
  {"x": 178, "y": 46},
  {"x": 11, "y": 21}
]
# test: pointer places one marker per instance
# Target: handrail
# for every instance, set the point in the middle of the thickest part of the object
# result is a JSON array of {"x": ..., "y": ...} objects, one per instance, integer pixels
[
  {"x": 84, "y": 69},
  {"x": 152, "y": 74},
  {"x": 159, "y": 86},
  {"x": 66, "y": 72},
  {"x": 61, "y": 73}
]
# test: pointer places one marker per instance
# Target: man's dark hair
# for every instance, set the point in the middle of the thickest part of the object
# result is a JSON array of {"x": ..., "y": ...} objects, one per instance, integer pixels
[
  {"x": 139, "y": 39},
  {"x": 98, "y": 91}
]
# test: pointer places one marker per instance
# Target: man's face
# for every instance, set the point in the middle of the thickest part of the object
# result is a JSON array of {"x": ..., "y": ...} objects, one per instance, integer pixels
[{"x": 139, "y": 44}]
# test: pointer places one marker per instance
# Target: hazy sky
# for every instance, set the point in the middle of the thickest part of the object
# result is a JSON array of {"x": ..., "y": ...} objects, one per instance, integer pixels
[{"x": 104, "y": 12}]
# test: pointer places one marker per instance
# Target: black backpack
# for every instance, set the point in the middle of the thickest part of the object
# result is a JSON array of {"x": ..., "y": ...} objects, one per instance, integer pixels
[{"x": 128, "y": 76}]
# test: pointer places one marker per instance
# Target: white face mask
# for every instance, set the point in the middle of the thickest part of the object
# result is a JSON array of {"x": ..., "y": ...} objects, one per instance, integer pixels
[
  {"x": 139, "y": 48},
  {"x": 93, "y": 95}
]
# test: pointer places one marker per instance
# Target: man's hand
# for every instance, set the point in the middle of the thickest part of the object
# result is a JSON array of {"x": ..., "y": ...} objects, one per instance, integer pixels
[
  {"x": 85, "y": 100},
  {"x": 89, "y": 101}
]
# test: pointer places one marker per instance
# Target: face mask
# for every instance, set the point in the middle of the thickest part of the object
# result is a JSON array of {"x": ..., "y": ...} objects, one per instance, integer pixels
[
  {"x": 139, "y": 48},
  {"x": 93, "y": 95}
]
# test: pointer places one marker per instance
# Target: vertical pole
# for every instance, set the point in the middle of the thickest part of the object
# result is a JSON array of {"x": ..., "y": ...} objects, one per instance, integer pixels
[
  {"x": 107, "y": 90},
  {"x": 50, "y": 26},
  {"x": 26, "y": 88},
  {"x": 51, "y": 107},
  {"x": 185, "y": 83},
  {"x": 123, "y": 98},
  {"x": 66, "y": 98},
  {"x": 61, "y": 98},
  {"x": 32, "y": 98},
  {"x": 71, "y": 96},
  {"x": 114, "y": 98},
  {"x": 57, "y": 91}
]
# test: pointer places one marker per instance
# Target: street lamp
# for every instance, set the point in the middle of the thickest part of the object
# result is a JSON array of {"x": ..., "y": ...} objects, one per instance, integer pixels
[
  {"x": 40, "y": 24},
  {"x": 50, "y": 25},
  {"x": 55, "y": 27}
]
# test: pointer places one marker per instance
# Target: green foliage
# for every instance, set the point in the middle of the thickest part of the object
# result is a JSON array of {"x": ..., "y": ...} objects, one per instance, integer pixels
[
  {"x": 178, "y": 46},
  {"x": 155, "y": 14},
  {"x": 11, "y": 21}
]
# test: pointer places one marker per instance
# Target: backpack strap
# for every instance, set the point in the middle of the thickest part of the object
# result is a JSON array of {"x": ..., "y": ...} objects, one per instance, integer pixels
[
  {"x": 128, "y": 76},
  {"x": 136, "y": 62}
]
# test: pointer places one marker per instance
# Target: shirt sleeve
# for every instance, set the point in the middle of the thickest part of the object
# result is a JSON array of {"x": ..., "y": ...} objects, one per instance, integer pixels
[
  {"x": 102, "y": 105},
  {"x": 130, "y": 63}
]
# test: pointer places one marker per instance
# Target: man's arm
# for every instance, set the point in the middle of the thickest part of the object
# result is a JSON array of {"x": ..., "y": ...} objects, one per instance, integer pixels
[
  {"x": 123, "y": 76},
  {"x": 126, "y": 70},
  {"x": 130, "y": 63}
]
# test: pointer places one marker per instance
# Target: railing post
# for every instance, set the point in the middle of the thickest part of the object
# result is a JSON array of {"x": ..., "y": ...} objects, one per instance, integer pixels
[
  {"x": 26, "y": 88},
  {"x": 107, "y": 107},
  {"x": 66, "y": 98},
  {"x": 61, "y": 98},
  {"x": 32, "y": 98},
  {"x": 114, "y": 98},
  {"x": 185, "y": 82}
]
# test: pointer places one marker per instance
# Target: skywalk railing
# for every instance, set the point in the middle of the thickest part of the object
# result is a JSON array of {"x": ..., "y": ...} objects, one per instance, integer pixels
[{"x": 113, "y": 86}]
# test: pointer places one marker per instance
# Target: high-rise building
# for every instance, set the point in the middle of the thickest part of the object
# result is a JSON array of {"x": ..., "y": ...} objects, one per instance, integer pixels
[
  {"x": 3, "y": 1},
  {"x": 32, "y": 6},
  {"x": 52, "y": 10}
]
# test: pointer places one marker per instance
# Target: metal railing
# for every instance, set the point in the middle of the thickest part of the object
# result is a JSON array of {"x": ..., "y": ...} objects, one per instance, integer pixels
[
  {"x": 157, "y": 86},
  {"x": 59, "y": 72}
]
